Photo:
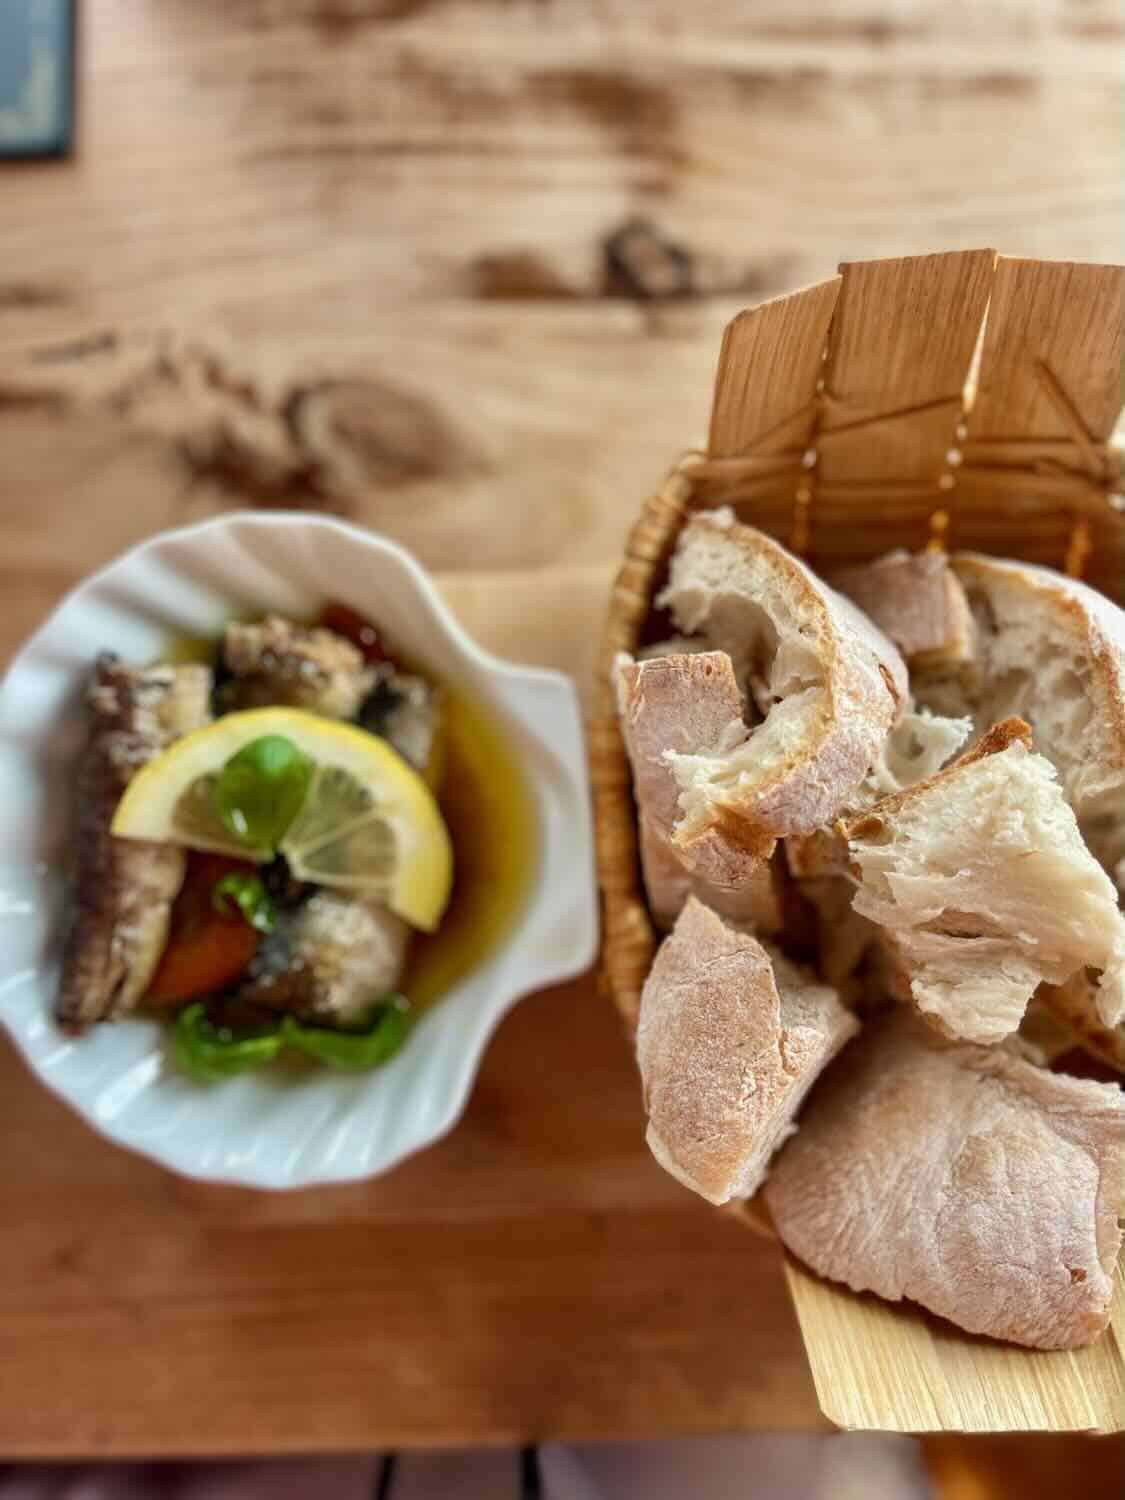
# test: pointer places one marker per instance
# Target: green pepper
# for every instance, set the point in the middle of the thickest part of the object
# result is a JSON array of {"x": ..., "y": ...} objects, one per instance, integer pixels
[
  {"x": 260, "y": 790},
  {"x": 249, "y": 894},
  {"x": 386, "y": 1031},
  {"x": 212, "y": 1052}
]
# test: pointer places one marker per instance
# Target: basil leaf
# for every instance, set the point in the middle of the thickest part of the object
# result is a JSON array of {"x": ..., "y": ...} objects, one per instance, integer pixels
[
  {"x": 249, "y": 896},
  {"x": 260, "y": 790}
]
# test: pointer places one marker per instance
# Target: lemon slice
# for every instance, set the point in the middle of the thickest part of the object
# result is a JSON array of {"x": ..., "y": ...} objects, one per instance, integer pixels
[{"x": 368, "y": 824}]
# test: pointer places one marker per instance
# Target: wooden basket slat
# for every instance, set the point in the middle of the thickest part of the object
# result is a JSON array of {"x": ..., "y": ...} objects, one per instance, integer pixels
[
  {"x": 1036, "y": 518},
  {"x": 772, "y": 496},
  {"x": 921, "y": 1374},
  {"x": 891, "y": 517},
  {"x": 1055, "y": 339},
  {"x": 761, "y": 414},
  {"x": 900, "y": 346},
  {"x": 980, "y": 512}
]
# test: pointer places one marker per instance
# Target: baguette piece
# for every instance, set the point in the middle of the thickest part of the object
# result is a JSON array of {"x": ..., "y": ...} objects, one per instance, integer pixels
[
  {"x": 917, "y": 600},
  {"x": 683, "y": 702},
  {"x": 916, "y": 748},
  {"x": 1052, "y": 651},
  {"x": 963, "y": 1178},
  {"x": 756, "y": 903},
  {"x": 985, "y": 887},
  {"x": 730, "y": 1038},
  {"x": 829, "y": 684}
]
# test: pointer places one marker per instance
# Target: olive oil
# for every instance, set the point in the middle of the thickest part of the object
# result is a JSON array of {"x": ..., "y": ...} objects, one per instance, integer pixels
[
  {"x": 187, "y": 651},
  {"x": 490, "y": 810}
]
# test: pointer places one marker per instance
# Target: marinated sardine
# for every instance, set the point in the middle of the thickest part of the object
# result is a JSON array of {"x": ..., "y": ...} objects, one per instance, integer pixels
[
  {"x": 125, "y": 888},
  {"x": 407, "y": 711},
  {"x": 329, "y": 959},
  {"x": 277, "y": 662}
]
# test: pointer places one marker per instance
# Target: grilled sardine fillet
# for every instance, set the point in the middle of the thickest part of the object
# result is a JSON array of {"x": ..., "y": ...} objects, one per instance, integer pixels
[
  {"x": 125, "y": 888},
  {"x": 409, "y": 713},
  {"x": 277, "y": 662},
  {"x": 329, "y": 959}
]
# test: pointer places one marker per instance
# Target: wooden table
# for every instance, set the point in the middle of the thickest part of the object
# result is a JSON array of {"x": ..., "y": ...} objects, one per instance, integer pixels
[{"x": 367, "y": 256}]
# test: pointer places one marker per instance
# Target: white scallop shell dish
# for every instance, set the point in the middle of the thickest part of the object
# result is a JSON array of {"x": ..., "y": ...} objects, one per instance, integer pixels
[{"x": 273, "y": 1128}]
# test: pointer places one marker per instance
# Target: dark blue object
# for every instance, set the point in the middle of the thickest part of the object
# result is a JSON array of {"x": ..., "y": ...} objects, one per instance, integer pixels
[{"x": 36, "y": 77}]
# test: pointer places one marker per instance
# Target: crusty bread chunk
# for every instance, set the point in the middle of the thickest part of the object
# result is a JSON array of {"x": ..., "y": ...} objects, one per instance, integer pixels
[
  {"x": 756, "y": 902},
  {"x": 963, "y": 1178},
  {"x": 730, "y": 1038},
  {"x": 679, "y": 703},
  {"x": 917, "y": 600},
  {"x": 981, "y": 879},
  {"x": 828, "y": 683},
  {"x": 1052, "y": 651},
  {"x": 917, "y": 747}
]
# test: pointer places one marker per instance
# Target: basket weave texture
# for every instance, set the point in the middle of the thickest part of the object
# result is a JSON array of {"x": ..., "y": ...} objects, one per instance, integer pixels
[{"x": 959, "y": 400}]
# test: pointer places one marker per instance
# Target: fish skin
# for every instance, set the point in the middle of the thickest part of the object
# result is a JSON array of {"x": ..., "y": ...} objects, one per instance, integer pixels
[
  {"x": 277, "y": 662},
  {"x": 329, "y": 959},
  {"x": 124, "y": 887}
]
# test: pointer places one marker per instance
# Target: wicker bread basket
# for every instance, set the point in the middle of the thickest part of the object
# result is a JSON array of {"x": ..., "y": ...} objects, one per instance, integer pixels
[{"x": 957, "y": 400}]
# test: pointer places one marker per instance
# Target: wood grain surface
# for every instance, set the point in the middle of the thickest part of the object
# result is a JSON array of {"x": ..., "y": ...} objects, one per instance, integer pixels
[
  {"x": 888, "y": 1367},
  {"x": 902, "y": 342},
  {"x": 457, "y": 269}
]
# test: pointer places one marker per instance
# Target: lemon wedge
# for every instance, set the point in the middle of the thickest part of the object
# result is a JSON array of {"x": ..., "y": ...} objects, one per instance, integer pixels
[{"x": 368, "y": 822}]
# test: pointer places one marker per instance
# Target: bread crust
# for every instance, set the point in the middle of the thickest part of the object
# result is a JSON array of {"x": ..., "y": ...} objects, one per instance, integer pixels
[
  {"x": 1053, "y": 649},
  {"x": 730, "y": 1038},
  {"x": 756, "y": 902},
  {"x": 963, "y": 1178},
  {"x": 690, "y": 703},
  {"x": 998, "y": 738},
  {"x": 832, "y": 688},
  {"x": 1097, "y": 623},
  {"x": 927, "y": 1166},
  {"x": 917, "y": 600}
]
